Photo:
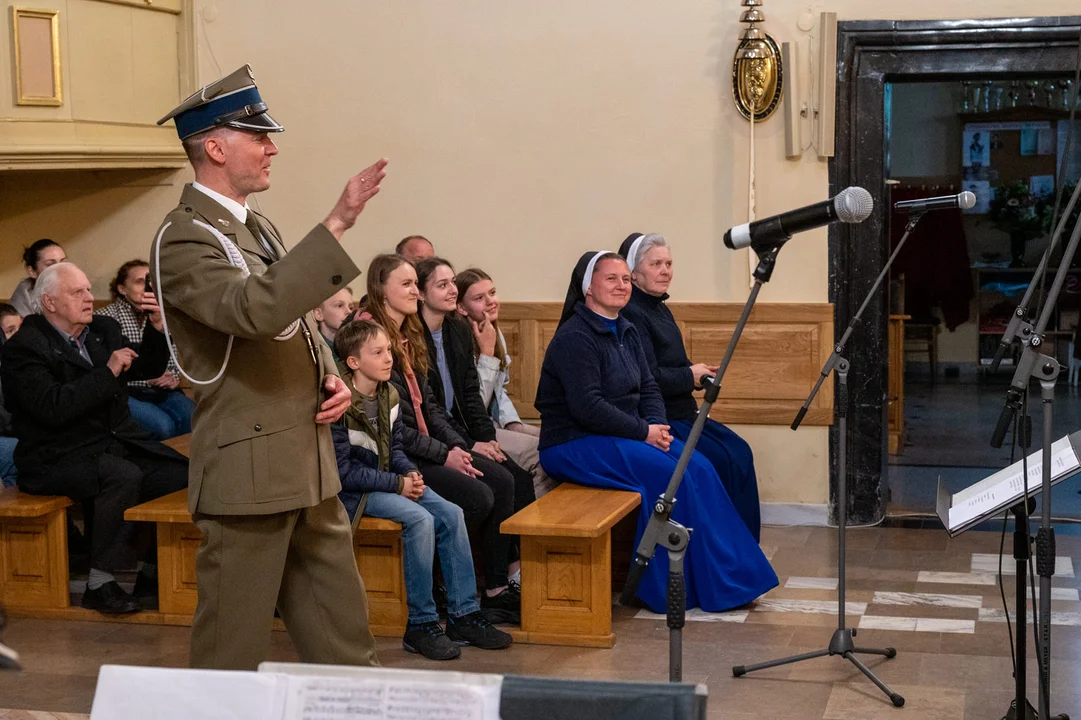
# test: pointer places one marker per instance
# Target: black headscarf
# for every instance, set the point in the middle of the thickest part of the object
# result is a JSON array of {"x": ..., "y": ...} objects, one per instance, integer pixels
[
  {"x": 575, "y": 293},
  {"x": 625, "y": 247}
]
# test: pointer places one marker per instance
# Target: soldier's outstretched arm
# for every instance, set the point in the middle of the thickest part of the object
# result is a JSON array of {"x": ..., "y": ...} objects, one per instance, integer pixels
[{"x": 197, "y": 278}]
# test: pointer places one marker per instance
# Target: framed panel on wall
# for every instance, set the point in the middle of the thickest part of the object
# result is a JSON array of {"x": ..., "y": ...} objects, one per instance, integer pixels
[{"x": 36, "y": 56}]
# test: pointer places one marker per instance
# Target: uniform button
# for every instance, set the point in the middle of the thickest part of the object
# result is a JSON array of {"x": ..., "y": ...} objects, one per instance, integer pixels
[
  {"x": 258, "y": 428},
  {"x": 336, "y": 280},
  {"x": 187, "y": 209}
]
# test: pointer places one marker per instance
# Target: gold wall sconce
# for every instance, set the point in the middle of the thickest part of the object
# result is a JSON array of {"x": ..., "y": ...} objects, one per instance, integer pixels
[{"x": 757, "y": 70}]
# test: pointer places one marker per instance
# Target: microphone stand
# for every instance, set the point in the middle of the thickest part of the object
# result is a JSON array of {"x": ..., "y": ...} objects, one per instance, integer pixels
[
  {"x": 1019, "y": 321},
  {"x": 842, "y": 642},
  {"x": 1035, "y": 363},
  {"x": 662, "y": 530}
]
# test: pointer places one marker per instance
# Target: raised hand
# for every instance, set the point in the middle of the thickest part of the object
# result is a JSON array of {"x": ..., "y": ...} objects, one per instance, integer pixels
[
  {"x": 486, "y": 336},
  {"x": 361, "y": 188},
  {"x": 149, "y": 306}
]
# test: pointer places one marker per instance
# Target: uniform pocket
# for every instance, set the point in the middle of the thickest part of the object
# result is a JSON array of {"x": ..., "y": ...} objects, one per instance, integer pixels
[
  {"x": 256, "y": 421},
  {"x": 245, "y": 440}
]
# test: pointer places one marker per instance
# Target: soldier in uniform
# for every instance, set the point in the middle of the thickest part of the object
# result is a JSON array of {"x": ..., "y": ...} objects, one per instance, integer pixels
[{"x": 263, "y": 482}]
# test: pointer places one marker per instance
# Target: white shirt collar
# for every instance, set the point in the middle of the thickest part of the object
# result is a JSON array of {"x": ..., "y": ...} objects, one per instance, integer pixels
[{"x": 240, "y": 212}]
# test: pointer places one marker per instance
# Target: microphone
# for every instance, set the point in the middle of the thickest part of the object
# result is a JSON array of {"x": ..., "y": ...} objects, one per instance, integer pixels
[
  {"x": 851, "y": 205},
  {"x": 964, "y": 201}
]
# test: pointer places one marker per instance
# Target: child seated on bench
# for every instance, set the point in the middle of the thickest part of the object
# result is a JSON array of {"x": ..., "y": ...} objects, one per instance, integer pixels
[{"x": 379, "y": 479}]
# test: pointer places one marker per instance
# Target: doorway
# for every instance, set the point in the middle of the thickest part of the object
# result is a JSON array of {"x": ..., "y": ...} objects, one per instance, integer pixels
[{"x": 878, "y": 62}]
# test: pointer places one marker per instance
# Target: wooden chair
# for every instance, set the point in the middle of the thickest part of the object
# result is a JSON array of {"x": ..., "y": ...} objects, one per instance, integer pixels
[{"x": 923, "y": 337}]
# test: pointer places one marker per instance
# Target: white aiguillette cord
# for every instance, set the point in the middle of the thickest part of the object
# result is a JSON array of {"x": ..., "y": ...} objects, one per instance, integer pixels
[{"x": 236, "y": 259}]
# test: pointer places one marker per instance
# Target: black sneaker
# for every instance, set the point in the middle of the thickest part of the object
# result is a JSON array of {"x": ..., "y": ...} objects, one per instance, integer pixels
[
  {"x": 474, "y": 629},
  {"x": 110, "y": 599},
  {"x": 506, "y": 607},
  {"x": 430, "y": 641}
]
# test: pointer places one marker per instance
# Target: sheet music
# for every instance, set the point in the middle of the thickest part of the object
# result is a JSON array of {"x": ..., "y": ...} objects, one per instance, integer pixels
[
  {"x": 1008, "y": 484},
  {"x": 341, "y": 698},
  {"x": 138, "y": 693}
]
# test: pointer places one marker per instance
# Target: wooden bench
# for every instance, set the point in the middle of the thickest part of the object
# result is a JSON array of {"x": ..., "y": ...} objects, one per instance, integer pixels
[
  {"x": 377, "y": 546},
  {"x": 566, "y": 544},
  {"x": 33, "y": 551}
]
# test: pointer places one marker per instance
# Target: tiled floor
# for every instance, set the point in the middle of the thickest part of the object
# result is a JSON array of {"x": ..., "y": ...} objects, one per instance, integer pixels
[{"x": 933, "y": 598}]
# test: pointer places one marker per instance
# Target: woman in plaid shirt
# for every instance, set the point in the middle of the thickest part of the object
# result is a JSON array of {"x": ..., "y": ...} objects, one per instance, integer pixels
[{"x": 157, "y": 405}]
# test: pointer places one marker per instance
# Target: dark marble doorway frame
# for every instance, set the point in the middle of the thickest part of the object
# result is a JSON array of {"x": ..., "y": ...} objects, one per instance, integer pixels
[{"x": 870, "y": 55}]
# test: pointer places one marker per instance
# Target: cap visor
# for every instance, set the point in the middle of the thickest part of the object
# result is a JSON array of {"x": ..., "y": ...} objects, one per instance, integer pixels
[{"x": 261, "y": 123}]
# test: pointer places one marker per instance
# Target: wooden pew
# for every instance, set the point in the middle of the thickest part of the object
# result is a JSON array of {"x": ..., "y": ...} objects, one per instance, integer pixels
[
  {"x": 33, "y": 551},
  {"x": 566, "y": 543},
  {"x": 377, "y": 547}
]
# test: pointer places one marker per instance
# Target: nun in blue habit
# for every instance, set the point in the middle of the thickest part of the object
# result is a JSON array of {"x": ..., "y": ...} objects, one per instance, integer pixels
[
  {"x": 603, "y": 425},
  {"x": 650, "y": 261}
]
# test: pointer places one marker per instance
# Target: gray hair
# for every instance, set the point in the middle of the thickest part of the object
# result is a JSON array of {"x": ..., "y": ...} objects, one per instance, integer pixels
[
  {"x": 48, "y": 283},
  {"x": 643, "y": 245}
]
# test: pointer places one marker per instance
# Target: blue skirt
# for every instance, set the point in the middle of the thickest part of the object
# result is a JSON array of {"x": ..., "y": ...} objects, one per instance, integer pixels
[
  {"x": 724, "y": 566},
  {"x": 733, "y": 460}
]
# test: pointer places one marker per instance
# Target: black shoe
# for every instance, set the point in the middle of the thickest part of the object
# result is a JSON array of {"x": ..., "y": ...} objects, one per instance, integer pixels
[
  {"x": 110, "y": 599},
  {"x": 439, "y": 594},
  {"x": 430, "y": 641},
  {"x": 506, "y": 607},
  {"x": 475, "y": 629}
]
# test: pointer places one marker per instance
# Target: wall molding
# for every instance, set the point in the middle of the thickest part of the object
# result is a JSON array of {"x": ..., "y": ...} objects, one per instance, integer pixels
[{"x": 774, "y": 367}]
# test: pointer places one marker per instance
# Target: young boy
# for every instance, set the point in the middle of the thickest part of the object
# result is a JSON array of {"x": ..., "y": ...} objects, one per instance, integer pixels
[{"x": 378, "y": 479}]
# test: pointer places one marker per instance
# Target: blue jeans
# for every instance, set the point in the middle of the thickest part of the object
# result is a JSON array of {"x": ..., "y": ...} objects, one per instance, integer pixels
[
  {"x": 166, "y": 419},
  {"x": 8, "y": 474},
  {"x": 426, "y": 524}
]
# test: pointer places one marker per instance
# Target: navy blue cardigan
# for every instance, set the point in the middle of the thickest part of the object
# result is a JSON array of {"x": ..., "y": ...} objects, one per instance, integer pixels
[
  {"x": 596, "y": 382},
  {"x": 359, "y": 470},
  {"x": 663, "y": 344}
]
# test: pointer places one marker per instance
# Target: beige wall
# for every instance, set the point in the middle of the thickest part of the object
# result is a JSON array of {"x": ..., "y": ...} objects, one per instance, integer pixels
[{"x": 520, "y": 134}]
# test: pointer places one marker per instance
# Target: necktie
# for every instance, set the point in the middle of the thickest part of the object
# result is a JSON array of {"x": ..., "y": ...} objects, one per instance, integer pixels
[{"x": 253, "y": 226}]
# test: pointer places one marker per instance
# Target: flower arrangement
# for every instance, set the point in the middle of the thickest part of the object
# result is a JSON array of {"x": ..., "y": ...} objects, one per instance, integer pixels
[{"x": 1017, "y": 211}]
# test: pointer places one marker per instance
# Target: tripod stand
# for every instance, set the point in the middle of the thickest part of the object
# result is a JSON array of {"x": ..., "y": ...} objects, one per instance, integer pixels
[
  {"x": 842, "y": 642},
  {"x": 662, "y": 530},
  {"x": 1035, "y": 363}
]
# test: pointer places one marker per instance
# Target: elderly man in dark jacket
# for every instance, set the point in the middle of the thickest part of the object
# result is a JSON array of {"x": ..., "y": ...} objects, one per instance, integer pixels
[{"x": 64, "y": 376}]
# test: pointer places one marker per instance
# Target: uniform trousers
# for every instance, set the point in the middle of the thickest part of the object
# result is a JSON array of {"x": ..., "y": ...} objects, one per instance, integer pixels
[{"x": 300, "y": 561}]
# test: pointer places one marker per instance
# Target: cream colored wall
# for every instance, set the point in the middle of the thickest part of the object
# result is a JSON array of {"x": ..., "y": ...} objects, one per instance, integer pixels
[{"x": 520, "y": 134}]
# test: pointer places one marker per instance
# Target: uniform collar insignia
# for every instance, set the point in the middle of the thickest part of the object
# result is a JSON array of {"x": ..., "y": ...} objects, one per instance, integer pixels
[{"x": 224, "y": 222}]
